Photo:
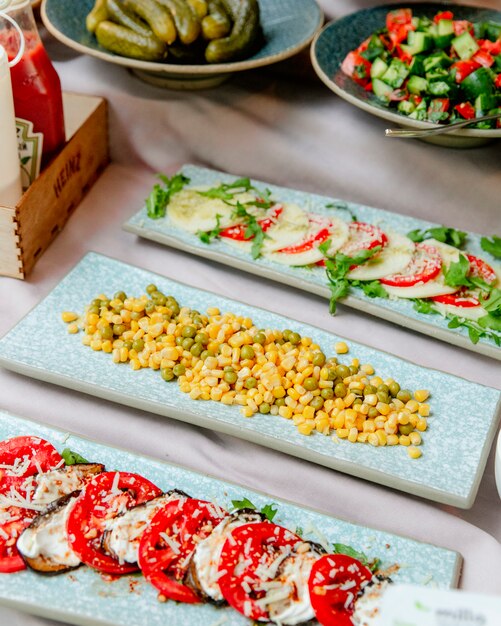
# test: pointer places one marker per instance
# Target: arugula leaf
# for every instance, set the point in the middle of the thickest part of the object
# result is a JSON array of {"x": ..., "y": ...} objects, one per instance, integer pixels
[
  {"x": 207, "y": 237},
  {"x": 424, "y": 306},
  {"x": 455, "y": 322},
  {"x": 341, "y": 548},
  {"x": 373, "y": 289},
  {"x": 253, "y": 230},
  {"x": 269, "y": 511},
  {"x": 456, "y": 275},
  {"x": 490, "y": 321},
  {"x": 443, "y": 234},
  {"x": 493, "y": 303},
  {"x": 339, "y": 289},
  {"x": 226, "y": 191},
  {"x": 72, "y": 458},
  {"x": 492, "y": 246},
  {"x": 159, "y": 198},
  {"x": 343, "y": 207},
  {"x": 245, "y": 503}
]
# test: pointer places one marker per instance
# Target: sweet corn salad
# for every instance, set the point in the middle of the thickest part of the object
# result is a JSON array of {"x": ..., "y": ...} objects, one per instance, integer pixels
[{"x": 224, "y": 357}]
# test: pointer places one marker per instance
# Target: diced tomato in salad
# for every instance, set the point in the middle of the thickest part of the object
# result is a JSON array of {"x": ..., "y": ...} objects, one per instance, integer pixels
[
  {"x": 357, "y": 67},
  {"x": 466, "y": 110}
]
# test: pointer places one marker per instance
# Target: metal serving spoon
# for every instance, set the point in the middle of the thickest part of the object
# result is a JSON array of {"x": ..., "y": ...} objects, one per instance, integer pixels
[{"x": 440, "y": 130}]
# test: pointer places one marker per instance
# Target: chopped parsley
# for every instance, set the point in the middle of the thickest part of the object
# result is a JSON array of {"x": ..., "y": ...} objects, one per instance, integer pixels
[
  {"x": 159, "y": 198},
  {"x": 450, "y": 236},
  {"x": 72, "y": 458}
]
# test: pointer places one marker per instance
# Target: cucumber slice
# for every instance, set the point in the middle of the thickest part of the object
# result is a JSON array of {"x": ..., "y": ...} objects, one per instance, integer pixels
[
  {"x": 417, "y": 85},
  {"x": 396, "y": 74},
  {"x": 394, "y": 257},
  {"x": 477, "y": 83},
  {"x": 190, "y": 211},
  {"x": 378, "y": 68},
  {"x": 406, "y": 107},
  {"x": 465, "y": 46},
  {"x": 381, "y": 89}
]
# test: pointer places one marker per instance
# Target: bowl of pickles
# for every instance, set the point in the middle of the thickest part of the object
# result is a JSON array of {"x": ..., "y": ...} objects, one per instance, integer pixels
[{"x": 184, "y": 44}]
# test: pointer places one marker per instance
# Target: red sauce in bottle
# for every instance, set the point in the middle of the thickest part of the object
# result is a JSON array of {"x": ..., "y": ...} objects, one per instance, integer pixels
[{"x": 37, "y": 94}]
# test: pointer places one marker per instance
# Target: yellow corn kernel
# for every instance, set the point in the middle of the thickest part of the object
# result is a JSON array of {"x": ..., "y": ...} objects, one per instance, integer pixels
[
  {"x": 352, "y": 435},
  {"x": 227, "y": 398},
  {"x": 421, "y": 425},
  {"x": 424, "y": 410},
  {"x": 376, "y": 381},
  {"x": 392, "y": 440},
  {"x": 115, "y": 355},
  {"x": 107, "y": 346},
  {"x": 285, "y": 411},
  {"x": 367, "y": 369},
  {"x": 96, "y": 344},
  {"x": 412, "y": 406},
  {"x": 373, "y": 439},
  {"x": 371, "y": 399},
  {"x": 279, "y": 392},
  {"x": 293, "y": 393},
  {"x": 421, "y": 395},
  {"x": 363, "y": 408},
  {"x": 404, "y": 440},
  {"x": 322, "y": 424},
  {"x": 72, "y": 329},
  {"x": 382, "y": 407},
  {"x": 349, "y": 399},
  {"x": 342, "y": 433},
  {"x": 247, "y": 411},
  {"x": 69, "y": 316},
  {"x": 381, "y": 435},
  {"x": 213, "y": 310},
  {"x": 379, "y": 422},
  {"x": 340, "y": 404},
  {"x": 356, "y": 385},
  {"x": 341, "y": 347},
  {"x": 415, "y": 438},
  {"x": 216, "y": 393},
  {"x": 362, "y": 437},
  {"x": 369, "y": 426},
  {"x": 397, "y": 404},
  {"x": 306, "y": 428},
  {"x": 403, "y": 418},
  {"x": 308, "y": 412},
  {"x": 414, "y": 452}
]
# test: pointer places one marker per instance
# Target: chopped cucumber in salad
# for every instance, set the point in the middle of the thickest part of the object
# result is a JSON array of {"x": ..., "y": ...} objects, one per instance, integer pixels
[{"x": 436, "y": 70}]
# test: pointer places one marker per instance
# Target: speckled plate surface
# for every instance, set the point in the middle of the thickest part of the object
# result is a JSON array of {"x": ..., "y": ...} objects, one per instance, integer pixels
[
  {"x": 455, "y": 446},
  {"x": 313, "y": 279},
  {"x": 288, "y": 27},
  {"x": 337, "y": 39},
  {"x": 83, "y": 597}
]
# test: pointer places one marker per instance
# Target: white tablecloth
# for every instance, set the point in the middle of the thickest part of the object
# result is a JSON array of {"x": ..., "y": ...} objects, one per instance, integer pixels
[{"x": 295, "y": 133}]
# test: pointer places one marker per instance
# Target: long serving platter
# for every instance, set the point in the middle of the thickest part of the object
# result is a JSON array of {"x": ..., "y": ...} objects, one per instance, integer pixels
[
  {"x": 455, "y": 447},
  {"x": 84, "y": 597},
  {"x": 314, "y": 280}
]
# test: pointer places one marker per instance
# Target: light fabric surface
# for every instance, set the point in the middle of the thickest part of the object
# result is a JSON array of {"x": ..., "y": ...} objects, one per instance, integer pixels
[{"x": 292, "y": 132}]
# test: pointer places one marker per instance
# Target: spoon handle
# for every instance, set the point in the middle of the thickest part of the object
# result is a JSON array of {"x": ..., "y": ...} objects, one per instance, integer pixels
[{"x": 404, "y": 133}]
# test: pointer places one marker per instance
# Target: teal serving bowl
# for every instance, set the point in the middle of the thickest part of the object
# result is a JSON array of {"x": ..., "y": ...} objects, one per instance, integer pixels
[
  {"x": 288, "y": 27},
  {"x": 337, "y": 38}
]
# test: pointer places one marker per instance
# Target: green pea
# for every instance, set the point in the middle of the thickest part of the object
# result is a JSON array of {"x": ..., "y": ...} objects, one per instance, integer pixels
[
  {"x": 279, "y": 402},
  {"x": 318, "y": 359},
  {"x": 357, "y": 401},
  {"x": 174, "y": 310},
  {"x": 138, "y": 345},
  {"x": 405, "y": 429},
  {"x": 198, "y": 320},
  {"x": 120, "y": 295},
  {"x": 373, "y": 413},
  {"x": 196, "y": 349},
  {"x": 179, "y": 369},
  {"x": 394, "y": 389},
  {"x": 187, "y": 343},
  {"x": 128, "y": 345},
  {"x": 230, "y": 377},
  {"x": 264, "y": 408},
  {"x": 310, "y": 383},
  {"x": 295, "y": 338},
  {"x": 369, "y": 390},
  {"x": 340, "y": 390},
  {"x": 404, "y": 395},
  {"x": 119, "y": 329},
  {"x": 383, "y": 397},
  {"x": 260, "y": 338},
  {"x": 384, "y": 388},
  {"x": 151, "y": 288},
  {"x": 331, "y": 373},
  {"x": 159, "y": 298},
  {"x": 327, "y": 393},
  {"x": 286, "y": 334},
  {"x": 331, "y": 361},
  {"x": 228, "y": 368},
  {"x": 202, "y": 338},
  {"x": 150, "y": 307},
  {"x": 179, "y": 341},
  {"x": 317, "y": 403},
  {"x": 247, "y": 352},
  {"x": 342, "y": 371},
  {"x": 106, "y": 332},
  {"x": 94, "y": 310},
  {"x": 353, "y": 370},
  {"x": 250, "y": 383},
  {"x": 167, "y": 374},
  {"x": 189, "y": 331},
  {"x": 206, "y": 353}
]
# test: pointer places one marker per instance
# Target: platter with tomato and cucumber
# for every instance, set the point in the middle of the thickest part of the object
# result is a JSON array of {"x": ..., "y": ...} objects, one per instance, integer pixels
[
  {"x": 418, "y": 65},
  {"x": 428, "y": 277},
  {"x": 130, "y": 537}
]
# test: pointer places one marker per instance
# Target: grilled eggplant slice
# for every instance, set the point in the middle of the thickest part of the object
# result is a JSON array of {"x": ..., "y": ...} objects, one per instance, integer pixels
[
  {"x": 202, "y": 571},
  {"x": 58, "y": 483},
  {"x": 44, "y": 544}
]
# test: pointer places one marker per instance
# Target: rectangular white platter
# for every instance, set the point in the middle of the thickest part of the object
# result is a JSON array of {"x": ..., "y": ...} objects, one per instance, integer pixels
[
  {"x": 313, "y": 279},
  {"x": 455, "y": 447},
  {"x": 83, "y": 597}
]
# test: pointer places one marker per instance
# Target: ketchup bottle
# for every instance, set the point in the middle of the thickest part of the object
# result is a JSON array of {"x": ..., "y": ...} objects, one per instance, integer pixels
[{"x": 37, "y": 93}]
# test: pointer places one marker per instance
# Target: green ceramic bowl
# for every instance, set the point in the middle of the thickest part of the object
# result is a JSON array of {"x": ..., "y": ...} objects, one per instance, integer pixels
[
  {"x": 288, "y": 27},
  {"x": 332, "y": 44}
]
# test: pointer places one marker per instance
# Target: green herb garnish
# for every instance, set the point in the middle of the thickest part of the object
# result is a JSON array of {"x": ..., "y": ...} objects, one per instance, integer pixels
[
  {"x": 268, "y": 510},
  {"x": 424, "y": 306},
  {"x": 343, "y": 207},
  {"x": 72, "y": 458},
  {"x": 492, "y": 246},
  {"x": 341, "y": 548},
  {"x": 159, "y": 198},
  {"x": 450, "y": 236},
  {"x": 207, "y": 237}
]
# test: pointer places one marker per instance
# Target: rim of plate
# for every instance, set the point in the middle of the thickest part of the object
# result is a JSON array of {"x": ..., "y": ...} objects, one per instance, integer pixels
[
  {"x": 399, "y": 120},
  {"x": 186, "y": 70}
]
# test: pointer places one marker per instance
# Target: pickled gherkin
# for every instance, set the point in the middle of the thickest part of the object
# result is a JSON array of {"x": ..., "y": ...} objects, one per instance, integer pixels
[
  {"x": 186, "y": 20},
  {"x": 120, "y": 14},
  {"x": 98, "y": 14},
  {"x": 217, "y": 23},
  {"x": 156, "y": 16},
  {"x": 127, "y": 43},
  {"x": 244, "y": 33}
]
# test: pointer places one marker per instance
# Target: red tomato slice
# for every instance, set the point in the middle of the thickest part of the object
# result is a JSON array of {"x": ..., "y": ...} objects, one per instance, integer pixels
[
  {"x": 334, "y": 583},
  {"x": 250, "y": 548},
  {"x": 21, "y": 457},
  {"x": 237, "y": 231},
  {"x": 425, "y": 265},
  {"x": 169, "y": 541},
  {"x": 363, "y": 236},
  {"x": 103, "y": 498},
  {"x": 13, "y": 521},
  {"x": 312, "y": 240},
  {"x": 465, "y": 298}
]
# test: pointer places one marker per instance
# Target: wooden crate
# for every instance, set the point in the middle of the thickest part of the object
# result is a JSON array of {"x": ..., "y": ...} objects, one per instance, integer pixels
[{"x": 27, "y": 229}]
